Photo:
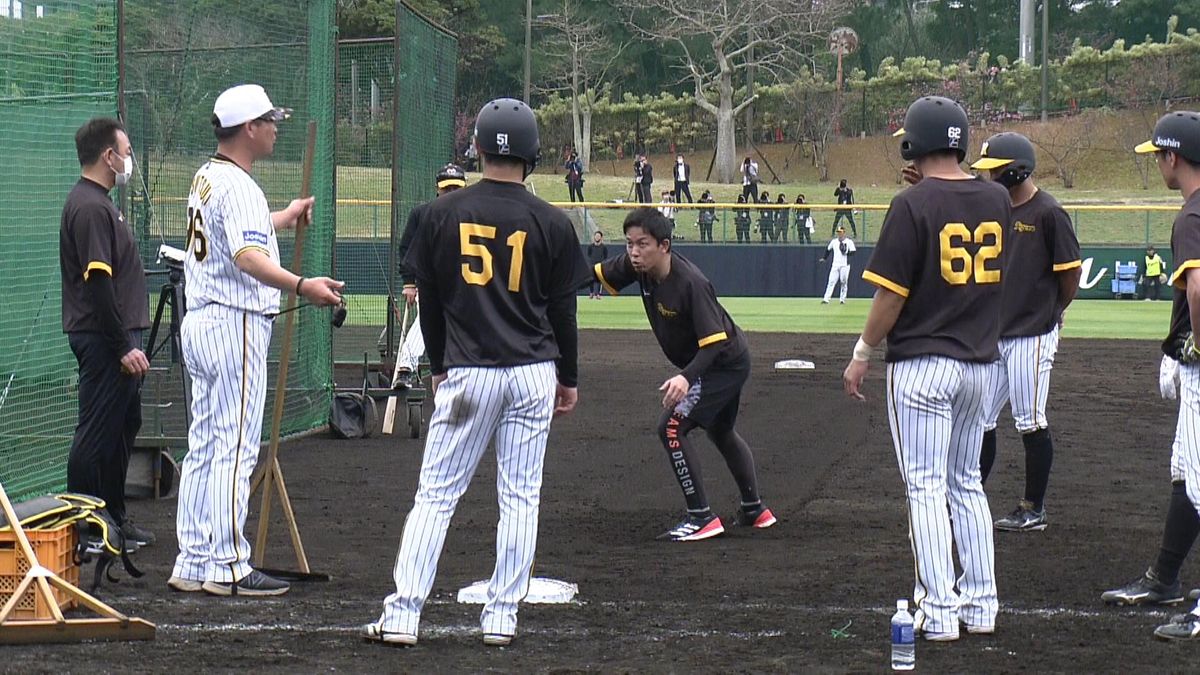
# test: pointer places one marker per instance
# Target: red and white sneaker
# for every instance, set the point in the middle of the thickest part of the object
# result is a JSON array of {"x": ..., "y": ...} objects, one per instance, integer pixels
[
  {"x": 694, "y": 528},
  {"x": 759, "y": 516}
]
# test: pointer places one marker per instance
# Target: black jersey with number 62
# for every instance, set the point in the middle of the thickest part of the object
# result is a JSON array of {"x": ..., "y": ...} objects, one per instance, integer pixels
[
  {"x": 497, "y": 256},
  {"x": 942, "y": 248}
]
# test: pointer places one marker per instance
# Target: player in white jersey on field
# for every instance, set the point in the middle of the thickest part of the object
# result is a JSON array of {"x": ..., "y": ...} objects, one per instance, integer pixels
[
  {"x": 841, "y": 248},
  {"x": 233, "y": 281},
  {"x": 1042, "y": 279},
  {"x": 498, "y": 270}
]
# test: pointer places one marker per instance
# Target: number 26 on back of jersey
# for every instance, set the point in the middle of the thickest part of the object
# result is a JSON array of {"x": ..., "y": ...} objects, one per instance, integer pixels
[
  {"x": 959, "y": 267},
  {"x": 473, "y": 242}
]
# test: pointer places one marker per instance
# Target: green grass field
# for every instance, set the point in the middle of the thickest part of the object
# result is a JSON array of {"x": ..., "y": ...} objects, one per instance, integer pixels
[
  {"x": 1114, "y": 319},
  {"x": 363, "y": 210}
]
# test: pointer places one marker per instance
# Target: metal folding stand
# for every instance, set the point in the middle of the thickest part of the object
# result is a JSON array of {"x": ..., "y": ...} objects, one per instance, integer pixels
[{"x": 110, "y": 625}]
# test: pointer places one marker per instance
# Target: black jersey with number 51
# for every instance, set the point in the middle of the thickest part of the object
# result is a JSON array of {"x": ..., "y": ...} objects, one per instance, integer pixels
[
  {"x": 942, "y": 248},
  {"x": 497, "y": 256}
]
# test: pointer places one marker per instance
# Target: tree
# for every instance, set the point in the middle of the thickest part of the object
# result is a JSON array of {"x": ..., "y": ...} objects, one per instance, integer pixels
[
  {"x": 820, "y": 108},
  {"x": 1068, "y": 142},
  {"x": 579, "y": 63},
  {"x": 721, "y": 39}
]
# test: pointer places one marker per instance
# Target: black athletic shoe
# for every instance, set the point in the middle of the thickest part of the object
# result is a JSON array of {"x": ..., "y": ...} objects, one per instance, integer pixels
[
  {"x": 1024, "y": 518},
  {"x": 404, "y": 380},
  {"x": 255, "y": 584},
  {"x": 137, "y": 535},
  {"x": 694, "y": 528},
  {"x": 1146, "y": 590},
  {"x": 759, "y": 517},
  {"x": 1182, "y": 627},
  {"x": 95, "y": 546}
]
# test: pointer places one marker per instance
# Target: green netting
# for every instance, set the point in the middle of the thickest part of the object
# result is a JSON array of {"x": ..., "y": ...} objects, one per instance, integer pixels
[
  {"x": 178, "y": 57},
  {"x": 58, "y": 68},
  {"x": 401, "y": 89}
]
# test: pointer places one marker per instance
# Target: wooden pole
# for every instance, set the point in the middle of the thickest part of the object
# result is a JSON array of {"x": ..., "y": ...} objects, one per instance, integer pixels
[{"x": 273, "y": 474}]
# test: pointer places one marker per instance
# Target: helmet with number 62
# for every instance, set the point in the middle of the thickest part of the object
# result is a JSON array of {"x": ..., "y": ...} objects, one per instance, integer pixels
[{"x": 933, "y": 123}]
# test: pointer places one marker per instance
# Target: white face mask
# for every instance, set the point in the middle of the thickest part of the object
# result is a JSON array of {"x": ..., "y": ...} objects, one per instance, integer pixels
[{"x": 126, "y": 170}]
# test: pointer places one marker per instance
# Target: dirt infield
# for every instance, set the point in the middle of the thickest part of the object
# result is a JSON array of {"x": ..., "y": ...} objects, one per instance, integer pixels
[{"x": 762, "y": 601}]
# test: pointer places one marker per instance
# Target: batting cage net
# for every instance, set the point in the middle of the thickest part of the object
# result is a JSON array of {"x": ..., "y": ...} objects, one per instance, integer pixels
[
  {"x": 58, "y": 68},
  {"x": 177, "y": 58},
  {"x": 395, "y": 108}
]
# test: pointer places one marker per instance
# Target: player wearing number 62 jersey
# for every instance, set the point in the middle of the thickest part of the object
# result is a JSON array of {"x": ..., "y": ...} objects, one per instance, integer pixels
[
  {"x": 497, "y": 271},
  {"x": 1041, "y": 281},
  {"x": 938, "y": 266},
  {"x": 233, "y": 282}
]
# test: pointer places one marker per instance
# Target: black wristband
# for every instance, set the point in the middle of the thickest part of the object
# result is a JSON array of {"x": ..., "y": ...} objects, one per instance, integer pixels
[{"x": 298, "y": 282}]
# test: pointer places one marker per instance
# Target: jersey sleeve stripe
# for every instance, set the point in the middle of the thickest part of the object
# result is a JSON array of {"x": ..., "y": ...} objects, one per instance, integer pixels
[
  {"x": 714, "y": 338},
  {"x": 604, "y": 282},
  {"x": 1063, "y": 267},
  {"x": 873, "y": 278},
  {"x": 1186, "y": 265},
  {"x": 243, "y": 249},
  {"x": 97, "y": 265}
]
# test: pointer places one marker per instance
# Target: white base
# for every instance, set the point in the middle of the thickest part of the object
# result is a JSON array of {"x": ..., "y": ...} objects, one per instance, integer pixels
[
  {"x": 794, "y": 364},
  {"x": 542, "y": 591}
]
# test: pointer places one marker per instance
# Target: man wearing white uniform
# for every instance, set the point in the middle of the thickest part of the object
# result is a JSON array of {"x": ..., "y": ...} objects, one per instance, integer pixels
[
  {"x": 841, "y": 248},
  {"x": 233, "y": 283}
]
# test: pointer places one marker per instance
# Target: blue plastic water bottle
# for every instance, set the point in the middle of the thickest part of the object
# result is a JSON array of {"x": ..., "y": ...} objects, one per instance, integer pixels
[{"x": 904, "y": 646}]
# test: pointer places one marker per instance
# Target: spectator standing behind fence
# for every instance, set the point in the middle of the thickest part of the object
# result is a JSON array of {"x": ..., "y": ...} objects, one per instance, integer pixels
[
  {"x": 666, "y": 206},
  {"x": 839, "y": 271},
  {"x": 804, "y": 222},
  {"x": 749, "y": 179},
  {"x": 845, "y": 195},
  {"x": 1153, "y": 274},
  {"x": 741, "y": 221},
  {"x": 597, "y": 253},
  {"x": 574, "y": 178},
  {"x": 637, "y": 178},
  {"x": 645, "y": 180},
  {"x": 766, "y": 219},
  {"x": 683, "y": 179},
  {"x": 781, "y": 219},
  {"x": 706, "y": 218}
]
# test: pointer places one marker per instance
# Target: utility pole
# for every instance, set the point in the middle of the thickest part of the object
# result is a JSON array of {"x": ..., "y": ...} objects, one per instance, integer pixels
[
  {"x": 1027, "y": 23},
  {"x": 528, "y": 37},
  {"x": 1045, "y": 58}
]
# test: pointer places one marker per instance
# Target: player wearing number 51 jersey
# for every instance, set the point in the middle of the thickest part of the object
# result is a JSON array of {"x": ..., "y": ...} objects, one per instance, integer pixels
[
  {"x": 497, "y": 272},
  {"x": 938, "y": 266}
]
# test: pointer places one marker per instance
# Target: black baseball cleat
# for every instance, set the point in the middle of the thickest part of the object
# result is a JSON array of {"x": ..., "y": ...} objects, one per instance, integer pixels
[
  {"x": 1146, "y": 590},
  {"x": 758, "y": 516},
  {"x": 1182, "y": 627},
  {"x": 137, "y": 535},
  {"x": 404, "y": 380},
  {"x": 1024, "y": 518},
  {"x": 255, "y": 584},
  {"x": 694, "y": 528}
]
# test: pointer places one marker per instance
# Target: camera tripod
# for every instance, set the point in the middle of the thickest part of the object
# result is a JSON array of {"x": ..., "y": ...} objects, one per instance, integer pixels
[{"x": 171, "y": 297}]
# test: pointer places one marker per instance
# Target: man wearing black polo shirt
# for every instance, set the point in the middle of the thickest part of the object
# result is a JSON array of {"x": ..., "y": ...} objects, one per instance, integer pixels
[
  {"x": 699, "y": 338},
  {"x": 104, "y": 311}
]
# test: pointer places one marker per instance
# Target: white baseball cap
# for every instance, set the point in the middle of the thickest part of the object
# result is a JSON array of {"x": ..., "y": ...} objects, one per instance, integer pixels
[{"x": 245, "y": 102}]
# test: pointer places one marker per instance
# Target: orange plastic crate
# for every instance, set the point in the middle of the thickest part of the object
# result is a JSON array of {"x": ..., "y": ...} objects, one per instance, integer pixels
[{"x": 55, "y": 550}]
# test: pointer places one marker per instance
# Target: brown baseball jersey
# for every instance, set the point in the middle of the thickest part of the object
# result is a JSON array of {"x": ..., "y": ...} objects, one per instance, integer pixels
[
  {"x": 94, "y": 238},
  {"x": 941, "y": 247},
  {"x": 683, "y": 311},
  {"x": 1040, "y": 244},
  {"x": 1185, "y": 252},
  {"x": 498, "y": 270}
]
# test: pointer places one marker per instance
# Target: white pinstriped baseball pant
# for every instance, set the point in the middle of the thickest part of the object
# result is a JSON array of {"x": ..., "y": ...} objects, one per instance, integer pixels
[
  {"x": 414, "y": 343},
  {"x": 935, "y": 407},
  {"x": 225, "y": 351},
  {"x": 514, "y": 405},
  {"x": 1022, "y": 376}
]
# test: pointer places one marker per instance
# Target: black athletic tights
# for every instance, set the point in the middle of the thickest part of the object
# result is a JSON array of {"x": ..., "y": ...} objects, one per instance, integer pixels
[{"x": 673, "y": 430}]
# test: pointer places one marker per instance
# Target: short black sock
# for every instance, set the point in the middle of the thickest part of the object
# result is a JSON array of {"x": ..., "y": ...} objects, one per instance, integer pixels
[
  {"x": 1039, "y": 457},
  {"x": 1183, "y": 524},
  {"x": 987, "y": 454}
]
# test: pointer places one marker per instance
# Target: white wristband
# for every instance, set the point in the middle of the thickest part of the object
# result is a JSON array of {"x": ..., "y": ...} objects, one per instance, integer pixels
[{"x": 862, "y": 351}]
